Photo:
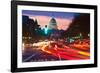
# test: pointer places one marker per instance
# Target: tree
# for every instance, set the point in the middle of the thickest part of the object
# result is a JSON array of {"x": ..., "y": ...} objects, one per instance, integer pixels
[
  {"x": 30, "y": 27},
  {"x": 80, "y": 24}
]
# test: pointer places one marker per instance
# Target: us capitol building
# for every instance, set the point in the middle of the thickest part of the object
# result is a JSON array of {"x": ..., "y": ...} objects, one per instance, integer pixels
[
  {"x": 52, "y": 27},
  {"x": 52, "y": 24}
]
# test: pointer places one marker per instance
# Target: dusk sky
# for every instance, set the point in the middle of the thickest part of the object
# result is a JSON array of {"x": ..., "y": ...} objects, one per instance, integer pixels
[{"x": 64, "y": 19}]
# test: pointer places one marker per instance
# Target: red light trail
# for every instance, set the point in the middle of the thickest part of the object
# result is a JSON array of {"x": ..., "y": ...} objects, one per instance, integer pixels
[{"x": 66, "y": 52}]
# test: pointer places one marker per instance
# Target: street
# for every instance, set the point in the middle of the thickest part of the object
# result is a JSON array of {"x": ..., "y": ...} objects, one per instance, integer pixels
[{"x": 55, "y": 50}]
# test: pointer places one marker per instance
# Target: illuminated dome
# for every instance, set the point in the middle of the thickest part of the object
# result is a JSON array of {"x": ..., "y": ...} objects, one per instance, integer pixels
[{"x": 52, "y": 24}]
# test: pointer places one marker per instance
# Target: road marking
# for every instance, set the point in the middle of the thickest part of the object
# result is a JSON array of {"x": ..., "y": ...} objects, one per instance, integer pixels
[{"x": 29, "y": 57}]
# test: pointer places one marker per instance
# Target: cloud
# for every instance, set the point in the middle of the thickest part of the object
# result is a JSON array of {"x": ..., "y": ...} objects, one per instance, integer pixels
[{"x": 63, "y": 23}]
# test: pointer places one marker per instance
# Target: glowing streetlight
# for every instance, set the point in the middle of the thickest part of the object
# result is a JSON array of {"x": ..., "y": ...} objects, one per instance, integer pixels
[{"x": 46, "y": 29}]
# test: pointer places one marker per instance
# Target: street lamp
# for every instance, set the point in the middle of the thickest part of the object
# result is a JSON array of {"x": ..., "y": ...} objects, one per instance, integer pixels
[{"x": 46, "y": 30}]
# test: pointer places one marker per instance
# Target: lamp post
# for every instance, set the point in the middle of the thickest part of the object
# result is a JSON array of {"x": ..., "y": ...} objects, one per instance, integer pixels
[{"x": 46, "y": 30}]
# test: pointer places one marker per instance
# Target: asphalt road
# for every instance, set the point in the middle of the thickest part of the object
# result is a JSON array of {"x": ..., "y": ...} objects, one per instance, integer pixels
[{"x": 54, "y": 52}]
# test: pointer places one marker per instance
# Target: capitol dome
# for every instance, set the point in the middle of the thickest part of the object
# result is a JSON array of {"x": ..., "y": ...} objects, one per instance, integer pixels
[{"x": 52, "y": 24}]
